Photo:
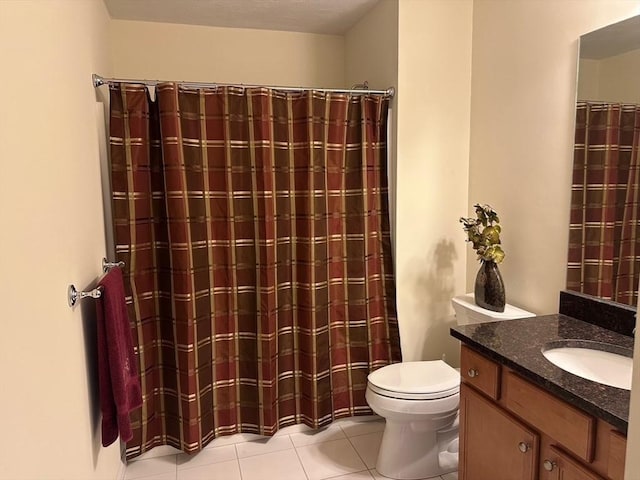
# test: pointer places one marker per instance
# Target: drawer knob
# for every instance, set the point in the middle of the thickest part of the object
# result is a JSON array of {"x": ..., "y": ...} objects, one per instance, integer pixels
[
  {"x": 473, "y": 372},
  {"x": 549, "y": 465},
  {"x": 523, "y": 447}
]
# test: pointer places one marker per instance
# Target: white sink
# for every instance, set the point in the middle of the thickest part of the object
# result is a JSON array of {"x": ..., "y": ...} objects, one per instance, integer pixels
[{"x": 593, "y": 360}]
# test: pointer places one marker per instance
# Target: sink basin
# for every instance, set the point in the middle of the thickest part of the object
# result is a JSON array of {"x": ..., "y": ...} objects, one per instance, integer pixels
[{"x": 599, "y": 362}]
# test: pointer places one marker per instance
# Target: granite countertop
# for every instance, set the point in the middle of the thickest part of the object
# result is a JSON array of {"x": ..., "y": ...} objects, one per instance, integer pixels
[{"x": 518, "y": 345}]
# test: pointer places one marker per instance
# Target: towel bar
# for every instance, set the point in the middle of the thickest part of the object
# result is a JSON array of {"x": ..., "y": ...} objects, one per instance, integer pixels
[
  {"x": 75, "y": 295},
  {"x": 107, "y": 265}
]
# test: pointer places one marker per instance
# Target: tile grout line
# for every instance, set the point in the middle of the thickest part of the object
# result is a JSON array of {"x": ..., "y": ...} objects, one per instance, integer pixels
[
  {"x": 239, "y": 468},
  {"x": 350, "y": 473},
  {"x": 264, "y": 453},
  {"x": 235, "y": 449},
  {"x": 295, "y": 449},
  {"x": 358, "y": 453},
  {"x": 348, "y": 438},
  {"x": 142, "y": 477},
  {"x": 360, "y": 434},
  {"x": 366, "y": 469}
]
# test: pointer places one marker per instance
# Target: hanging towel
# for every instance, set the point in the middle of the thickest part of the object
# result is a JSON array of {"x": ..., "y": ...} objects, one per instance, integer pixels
[{"x": 120, "y": 391}]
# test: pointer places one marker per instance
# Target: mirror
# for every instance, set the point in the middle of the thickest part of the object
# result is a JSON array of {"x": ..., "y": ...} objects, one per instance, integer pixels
[
  {"x": 609, "y": 65},
  {"x": 604, "y": 234}
]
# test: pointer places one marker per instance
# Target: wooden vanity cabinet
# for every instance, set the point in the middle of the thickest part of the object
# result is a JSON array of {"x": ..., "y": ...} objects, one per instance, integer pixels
[
  {"x": 480, "y": 372},
  {"x": 558, "y": 465},
  {"x": 616, "y": 454},
  {"x": 512, "y": 429},
  {"x": 568, "y": 425},
  {"x": 495, "y": 445}
]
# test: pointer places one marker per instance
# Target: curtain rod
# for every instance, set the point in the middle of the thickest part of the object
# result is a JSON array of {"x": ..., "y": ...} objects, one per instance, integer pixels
[{"x": 98, "y": 81}]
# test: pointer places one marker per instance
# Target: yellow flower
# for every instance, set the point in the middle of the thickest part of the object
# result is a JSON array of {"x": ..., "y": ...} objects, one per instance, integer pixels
[{"x": 486, "y": 241}]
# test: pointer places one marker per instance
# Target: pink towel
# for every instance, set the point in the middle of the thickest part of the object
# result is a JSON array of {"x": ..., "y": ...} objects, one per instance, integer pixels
[{"x": 120, "y": 391}]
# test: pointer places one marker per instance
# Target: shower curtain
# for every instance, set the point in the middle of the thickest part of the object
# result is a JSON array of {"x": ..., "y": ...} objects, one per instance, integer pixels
[
  {"x": 254, "y": 226},
  {"x": 604, "y": 241}
]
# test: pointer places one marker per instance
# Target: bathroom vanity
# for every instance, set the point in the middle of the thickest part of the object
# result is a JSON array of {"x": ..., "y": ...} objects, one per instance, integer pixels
[{"x": 523, "y": 418}]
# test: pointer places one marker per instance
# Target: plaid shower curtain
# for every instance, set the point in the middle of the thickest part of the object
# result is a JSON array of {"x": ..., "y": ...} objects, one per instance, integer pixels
[
  {"x": 254, "y": 226},
  {"x": 604, "y": 236}
]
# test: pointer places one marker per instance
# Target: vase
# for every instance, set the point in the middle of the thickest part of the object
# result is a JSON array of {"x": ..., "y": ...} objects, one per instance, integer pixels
[{"x": 489, "y": 289}]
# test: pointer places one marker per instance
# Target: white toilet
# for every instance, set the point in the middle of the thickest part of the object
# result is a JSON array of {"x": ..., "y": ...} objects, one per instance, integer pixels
[
  {"x": 468, "y": 312},
  {"x": 419, "y": 401}
]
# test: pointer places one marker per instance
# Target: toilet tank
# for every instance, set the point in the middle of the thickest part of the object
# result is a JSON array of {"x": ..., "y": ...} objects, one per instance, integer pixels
[{"x": 468, "y": 312}]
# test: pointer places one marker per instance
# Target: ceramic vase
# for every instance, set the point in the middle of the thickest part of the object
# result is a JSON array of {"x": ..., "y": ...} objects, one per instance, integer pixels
[{"x": 489, "y": 288}]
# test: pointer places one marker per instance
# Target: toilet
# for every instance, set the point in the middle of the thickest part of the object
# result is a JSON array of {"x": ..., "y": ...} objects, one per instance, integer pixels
[
  {"x": 468, "y": 312},
  {"x": 419, "y": 401}
]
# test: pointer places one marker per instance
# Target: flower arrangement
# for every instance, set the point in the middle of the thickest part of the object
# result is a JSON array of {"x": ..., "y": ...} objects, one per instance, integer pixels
[{"x": 484, "y": 233}]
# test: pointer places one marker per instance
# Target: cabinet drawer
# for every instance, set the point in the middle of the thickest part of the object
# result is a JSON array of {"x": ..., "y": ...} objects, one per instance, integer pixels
[
  {"x": 572, "y": 428},
  {"x": 617, "y": 455},
  {"x": 479, "y": 371}
]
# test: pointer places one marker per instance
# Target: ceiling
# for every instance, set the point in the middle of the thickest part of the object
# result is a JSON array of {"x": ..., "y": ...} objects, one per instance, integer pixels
[{"x": 332, "y": 17}]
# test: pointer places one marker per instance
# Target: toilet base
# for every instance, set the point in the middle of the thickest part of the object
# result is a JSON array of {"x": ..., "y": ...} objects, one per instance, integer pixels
[{"x": 409, "y": 453}]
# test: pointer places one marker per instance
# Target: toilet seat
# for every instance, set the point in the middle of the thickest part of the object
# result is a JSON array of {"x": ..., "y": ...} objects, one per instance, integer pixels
[{"x": 427, "y": 380}]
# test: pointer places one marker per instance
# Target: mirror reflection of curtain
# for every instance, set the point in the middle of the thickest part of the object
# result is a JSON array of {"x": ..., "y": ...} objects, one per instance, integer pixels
[
  {"x": 254, "y": 225},
  {"x": 604, "y": 237}
]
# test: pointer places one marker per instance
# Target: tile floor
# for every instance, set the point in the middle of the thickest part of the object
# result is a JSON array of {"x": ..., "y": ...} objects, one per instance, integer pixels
[{"x": 346, "y": 450}]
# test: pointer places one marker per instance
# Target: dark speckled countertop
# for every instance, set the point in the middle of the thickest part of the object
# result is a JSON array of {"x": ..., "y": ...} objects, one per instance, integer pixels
[{"x": 518, "y": 345}]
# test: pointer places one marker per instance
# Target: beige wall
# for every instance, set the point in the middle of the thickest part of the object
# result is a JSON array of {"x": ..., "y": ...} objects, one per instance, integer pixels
[
  {"x": 371, "y": 54},
  {"x": 502, "y": 135},
  {"x": 227, "y": 55},
  {"x": 588, "y": 79},
  {"x": 371, "y": 48},
  {"x": 613, "y": 79},
  {"x": 522, "y": 119},
  {"x": 620, "y": 78},
  {"x": 52, "y": 234},
  {"x": 632, "y": 466},
  {"x": 434, "y": 81}
]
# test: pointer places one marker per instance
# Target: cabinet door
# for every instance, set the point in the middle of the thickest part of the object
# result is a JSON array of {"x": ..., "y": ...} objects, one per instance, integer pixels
[
  {"x": 494, "y": 445},
  {"x": 557, "y": 465},
  {"x": 617, "y": 455}
]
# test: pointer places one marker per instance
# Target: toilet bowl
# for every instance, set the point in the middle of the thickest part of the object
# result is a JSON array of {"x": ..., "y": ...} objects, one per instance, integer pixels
[{"x": 419, "y": 401}]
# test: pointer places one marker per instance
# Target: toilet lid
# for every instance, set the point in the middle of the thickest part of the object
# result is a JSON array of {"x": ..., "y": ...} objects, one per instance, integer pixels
[{"x": 416, "y": 380}]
